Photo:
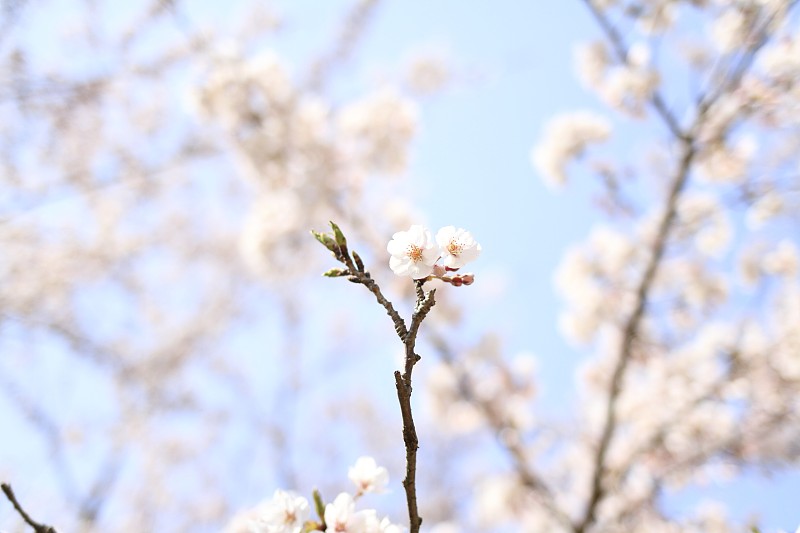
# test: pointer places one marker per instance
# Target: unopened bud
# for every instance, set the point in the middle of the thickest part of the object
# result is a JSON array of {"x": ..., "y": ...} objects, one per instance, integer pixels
[
  {"x": 468, "y": 279},
  {"x": 456, "y": 281},
  {"x": 359, "y": 263}
]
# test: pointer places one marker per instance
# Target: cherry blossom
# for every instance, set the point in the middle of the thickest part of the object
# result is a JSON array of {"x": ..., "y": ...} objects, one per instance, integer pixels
[
  {"x": 284, "y": 513},
  {"x": 458, "y": 247},
  {"x": 341, "y": 517},
  {"x": 413, "y": 252},
  {"x": 387, "y": 527},
  {"x": 566, "y": 137},
  {"x": 368, "y": 476}
]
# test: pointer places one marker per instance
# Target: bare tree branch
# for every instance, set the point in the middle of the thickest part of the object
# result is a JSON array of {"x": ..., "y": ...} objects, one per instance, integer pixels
[
  {"x": 527, "y": 474},
  {"x": 688, "y": 151},
  {"x": 37, "y": 527},
  {"x": 94, "y": 500},
  {"x": 630, "y": 333}
]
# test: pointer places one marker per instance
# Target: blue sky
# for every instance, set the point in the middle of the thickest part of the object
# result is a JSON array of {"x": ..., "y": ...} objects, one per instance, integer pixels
[{"x": 471, "y": 168}]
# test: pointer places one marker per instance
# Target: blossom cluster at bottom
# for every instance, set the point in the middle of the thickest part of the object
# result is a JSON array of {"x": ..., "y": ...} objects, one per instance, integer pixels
[{"x": 288, "y": 512}]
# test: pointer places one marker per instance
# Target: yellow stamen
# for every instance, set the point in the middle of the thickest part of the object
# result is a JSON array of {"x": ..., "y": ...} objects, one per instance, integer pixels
[
  {"x": 414, "y": 253},
  {"x": 455, "y": 247}
]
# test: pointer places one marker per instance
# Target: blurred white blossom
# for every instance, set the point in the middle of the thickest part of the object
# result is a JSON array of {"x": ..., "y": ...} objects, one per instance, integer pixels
[
  {"x": 368, "y": 476},
  {"x": 380, "y": 127},
  {"x": 286, "y": 512},
  {"x": 729, "y": 29},
  {"x": 565, "y": 138},
  {"x": 341, "y": 517}
]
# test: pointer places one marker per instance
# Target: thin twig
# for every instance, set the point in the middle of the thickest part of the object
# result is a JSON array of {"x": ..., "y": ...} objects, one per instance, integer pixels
[{"x": 37, "y": 527}]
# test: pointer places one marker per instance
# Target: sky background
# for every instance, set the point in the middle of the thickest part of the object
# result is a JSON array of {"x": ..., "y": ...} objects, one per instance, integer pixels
[{"x": 471, "y": 168}]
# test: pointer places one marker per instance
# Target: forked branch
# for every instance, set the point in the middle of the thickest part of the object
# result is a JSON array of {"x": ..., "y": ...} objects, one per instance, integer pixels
[{"x": 356, "y": 273}]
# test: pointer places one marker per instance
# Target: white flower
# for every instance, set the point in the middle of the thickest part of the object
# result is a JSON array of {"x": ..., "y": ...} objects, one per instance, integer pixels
[
  {"x": 728, "y": 30},
  {"x": 445, "y": 527},
  {"x": 591, "y": 61},
  {"x": 784, "y": 260},
  {"x": 284, "y": 513},
  {"x": 387, "y": 527},
  {"x": 341, "y": 517},
  {"x": 782, "y": 60},
  {"x": 566, "y": 137},
  {"x": 368, "y": 476},
  {"x": 457, "y": 246},
  {"x": 413, "y": 252},
  {"x": 428, "y": 74},
  {"x": 768, "y": 206},
  {"x": 626, "y": 88},
  {"x": 380, "y": 128}
]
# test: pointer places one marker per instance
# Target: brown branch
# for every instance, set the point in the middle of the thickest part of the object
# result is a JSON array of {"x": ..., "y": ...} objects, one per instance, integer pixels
[
  {"x": 425, "y": 303},
  {"x": 631, "y": 327},
  {"x": 411, "y": 443},
  {"x": 403, "y": 385},
  {"x": 37, "y": 527}
]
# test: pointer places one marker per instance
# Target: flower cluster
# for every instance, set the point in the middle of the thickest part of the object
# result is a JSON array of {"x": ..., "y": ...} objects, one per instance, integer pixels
[
  {"x": 288, "y": 512},
  {"x": 302, "y": 154},
  {"x": 415, "y": 253}
]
